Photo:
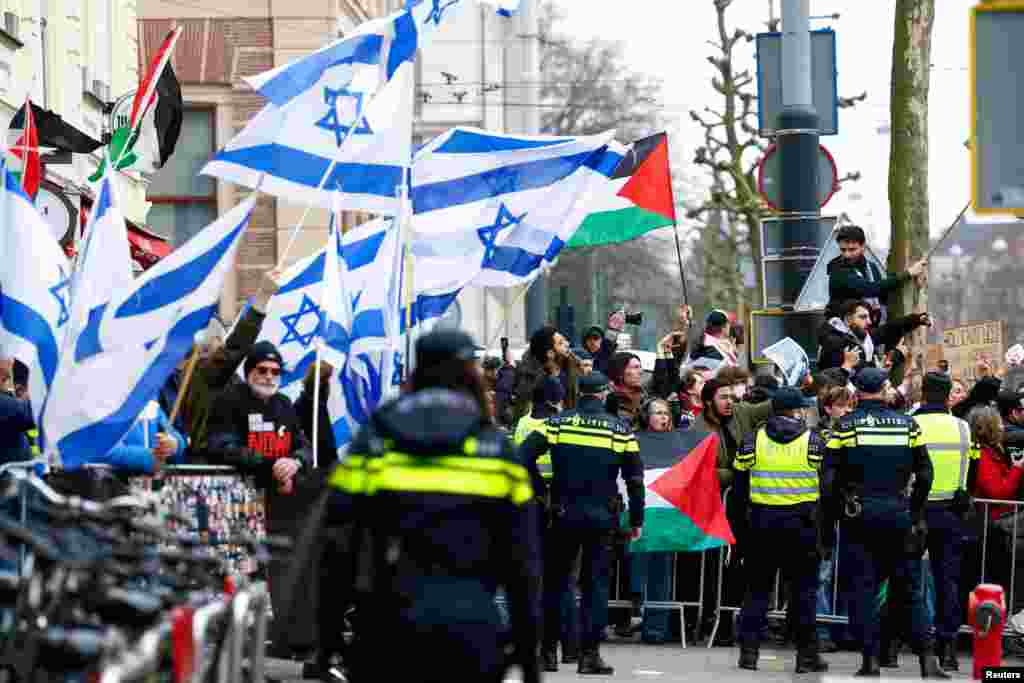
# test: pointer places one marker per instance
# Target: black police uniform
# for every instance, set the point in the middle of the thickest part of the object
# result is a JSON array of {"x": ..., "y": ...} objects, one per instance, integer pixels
[
  {"x": 434, "y": 504},
  {"x": 589, "y": 449},
  {"x": 869, "y": 459}
]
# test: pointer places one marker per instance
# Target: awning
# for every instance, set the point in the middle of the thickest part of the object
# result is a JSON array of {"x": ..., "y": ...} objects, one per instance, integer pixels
[{"x": 146, "y": 247}]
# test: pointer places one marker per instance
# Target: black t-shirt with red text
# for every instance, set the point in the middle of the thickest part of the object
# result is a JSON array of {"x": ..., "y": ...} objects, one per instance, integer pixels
[{"x": 250, "y": 433}]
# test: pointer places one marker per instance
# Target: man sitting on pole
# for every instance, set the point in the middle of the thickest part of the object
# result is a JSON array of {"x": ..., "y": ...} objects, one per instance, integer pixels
[{"x": 851, "y": 276}]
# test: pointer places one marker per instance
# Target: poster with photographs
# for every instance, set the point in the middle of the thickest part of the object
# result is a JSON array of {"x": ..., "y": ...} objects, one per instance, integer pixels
[{"x": 218, "y": 507}]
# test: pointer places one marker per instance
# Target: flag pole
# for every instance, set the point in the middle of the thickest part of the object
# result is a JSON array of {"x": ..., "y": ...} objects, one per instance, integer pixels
[
  {"x": 679, "y": 256},
  {"x": 316, "y": 405},
  {"x": 407, "y": 268},
  {"x": 335, "y": 225},
  {"x": 183, "y": 389}
]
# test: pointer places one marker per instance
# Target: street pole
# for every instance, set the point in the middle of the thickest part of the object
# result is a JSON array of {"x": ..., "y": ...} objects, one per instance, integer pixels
[
  {"x": 798, "y": 124},
  {"x": 529, "y": 50}
]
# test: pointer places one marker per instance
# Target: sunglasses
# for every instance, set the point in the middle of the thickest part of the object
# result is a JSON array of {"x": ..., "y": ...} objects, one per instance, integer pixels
[{"x": 268, "y": 371}]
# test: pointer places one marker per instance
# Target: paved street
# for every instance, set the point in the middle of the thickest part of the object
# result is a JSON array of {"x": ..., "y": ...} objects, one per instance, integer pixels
[{"x": 669, "y": 663}]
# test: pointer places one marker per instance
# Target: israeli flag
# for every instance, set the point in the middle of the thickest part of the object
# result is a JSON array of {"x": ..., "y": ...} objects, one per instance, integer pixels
[
  {"x": 104, "y": 267},
  {"x": 495, "y": 210},
  {"x": 337, "y": 122},
  {"x": 295, "y": 314},
  {"x": 35, "y": 288},
  {"x": 358, "y": 353},
  {"x": 152, "y": 324}
]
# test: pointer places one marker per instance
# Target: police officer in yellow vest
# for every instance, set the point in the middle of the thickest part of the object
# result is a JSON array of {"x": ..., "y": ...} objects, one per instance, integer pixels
[
  {"x": 953, "y": 460},
  {"x": 777, "y": 472},
  {"x": 547, "y": 401}
]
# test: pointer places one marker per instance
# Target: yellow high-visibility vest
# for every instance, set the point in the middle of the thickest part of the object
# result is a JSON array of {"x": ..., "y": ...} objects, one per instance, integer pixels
[
  {"x": 949, "y": 445},
  {"x": 781, "y": 473},
  {"x": 528, "y": 425}
]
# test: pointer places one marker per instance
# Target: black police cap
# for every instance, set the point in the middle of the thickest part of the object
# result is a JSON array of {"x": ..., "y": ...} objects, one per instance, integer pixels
[
  {"x": 870, "y": 380},
  {"x": 441, "y": 345}
]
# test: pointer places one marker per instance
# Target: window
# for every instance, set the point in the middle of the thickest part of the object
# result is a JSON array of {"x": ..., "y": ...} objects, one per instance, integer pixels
[{"x": 185, "y": 202}]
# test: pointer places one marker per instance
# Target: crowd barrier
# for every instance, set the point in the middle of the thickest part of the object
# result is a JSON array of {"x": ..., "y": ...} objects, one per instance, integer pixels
[
  {"x": 982, "y": 524},
  {"x": 212, "y": 503}
]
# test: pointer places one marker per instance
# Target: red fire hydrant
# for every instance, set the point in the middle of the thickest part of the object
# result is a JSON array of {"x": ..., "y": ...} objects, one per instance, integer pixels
[{"x": 986, "y": 612}]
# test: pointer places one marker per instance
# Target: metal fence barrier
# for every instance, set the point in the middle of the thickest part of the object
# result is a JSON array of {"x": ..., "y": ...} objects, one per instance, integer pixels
[{"x": 981, "y": 519}]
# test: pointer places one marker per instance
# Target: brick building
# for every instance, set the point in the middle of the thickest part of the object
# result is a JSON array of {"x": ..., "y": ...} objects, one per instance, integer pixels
[{"x": 226, "y": 40}]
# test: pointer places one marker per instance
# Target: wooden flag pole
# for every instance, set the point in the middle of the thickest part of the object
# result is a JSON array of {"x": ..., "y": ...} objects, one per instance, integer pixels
[{"x": 183, "y": 389}]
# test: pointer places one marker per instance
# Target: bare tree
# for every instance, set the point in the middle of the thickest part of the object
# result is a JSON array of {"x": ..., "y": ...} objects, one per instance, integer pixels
[
  {"x": 589, "y": 89},
  {"x": 908, "y": 156}
]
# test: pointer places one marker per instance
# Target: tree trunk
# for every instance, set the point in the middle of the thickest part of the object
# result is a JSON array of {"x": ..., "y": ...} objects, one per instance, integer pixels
[{"x": 908, "y": 156}]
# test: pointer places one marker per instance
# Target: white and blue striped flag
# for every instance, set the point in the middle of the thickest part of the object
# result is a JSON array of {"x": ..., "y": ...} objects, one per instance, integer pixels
[
  {"x": 104, "y": 267},
  {"x": 146, "y": 330},
  {"x": 357, "y": 343},
  {"x": 495, "y": 210},
  {"x": 35, "y": 285},
  {"x": 338, "y": 122}
]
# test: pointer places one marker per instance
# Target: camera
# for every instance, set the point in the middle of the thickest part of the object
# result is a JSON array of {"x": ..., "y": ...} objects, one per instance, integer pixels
[{"x": 633, "y": 318}]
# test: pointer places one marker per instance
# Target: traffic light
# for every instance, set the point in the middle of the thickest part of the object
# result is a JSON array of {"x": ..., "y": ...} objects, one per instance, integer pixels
[{"x": 997, "y": 98}]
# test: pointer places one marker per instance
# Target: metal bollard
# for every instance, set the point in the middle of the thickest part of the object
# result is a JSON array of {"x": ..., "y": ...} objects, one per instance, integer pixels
[{"x": 986, "y": 612}]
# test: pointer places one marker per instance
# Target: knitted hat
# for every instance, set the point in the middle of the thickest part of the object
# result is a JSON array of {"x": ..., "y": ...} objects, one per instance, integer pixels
[{"x": 260, "y": 352}]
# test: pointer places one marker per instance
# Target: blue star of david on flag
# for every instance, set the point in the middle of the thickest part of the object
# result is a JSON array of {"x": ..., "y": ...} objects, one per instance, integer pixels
[
  {"x": 489, "y": 234},
  {"x": 438, "y": 10},
  {"x": 333, "y": 123},
  {"x": 292, "y": 321},
  {"x": 396, "y": 376},
  {"x": 60, "y": 291}
]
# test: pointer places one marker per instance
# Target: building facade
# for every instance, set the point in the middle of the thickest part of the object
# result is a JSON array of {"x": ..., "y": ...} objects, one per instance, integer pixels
[
  {"x": 461, "y": 80},
  {"x": 74, "y": 58}
]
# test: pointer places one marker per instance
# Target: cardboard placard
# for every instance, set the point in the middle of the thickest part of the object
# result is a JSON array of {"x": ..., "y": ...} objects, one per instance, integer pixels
[{"x": 963, "y": 346}]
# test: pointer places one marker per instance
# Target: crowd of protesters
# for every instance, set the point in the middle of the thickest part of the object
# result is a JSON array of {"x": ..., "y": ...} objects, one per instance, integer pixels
[{"x": 208, "y": 413}]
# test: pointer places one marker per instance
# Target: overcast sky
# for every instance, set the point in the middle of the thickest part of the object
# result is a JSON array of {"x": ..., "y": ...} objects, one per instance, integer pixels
[{"x": 667, "y": 39}]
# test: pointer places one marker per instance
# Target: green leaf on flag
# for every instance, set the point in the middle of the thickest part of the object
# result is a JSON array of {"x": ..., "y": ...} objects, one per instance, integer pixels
[{"x": 121, "y": 149}]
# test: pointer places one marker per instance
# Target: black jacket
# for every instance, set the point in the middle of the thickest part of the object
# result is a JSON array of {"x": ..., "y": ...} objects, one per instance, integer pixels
[
  {"x": 833, "y": 342},
  {"x": 451, "y": 539},
  {"x": 984, "y": 391},
  {"x": 858, "y": 281},
  {"x": 878, "y": 473},
  {"x": 589, "y": 450},
  {"x": 608, "y": 347},
  {"x": 250, "y": 434},
  {"x": 327, "y": 449}
]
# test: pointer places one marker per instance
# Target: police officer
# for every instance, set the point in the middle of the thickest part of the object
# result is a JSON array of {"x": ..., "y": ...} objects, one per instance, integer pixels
[
  {"x": 547, "y": 401},
  {"x": 953, "y": 456},
  {"x": 777, "y": 472},
  {"x": 589, "y": 450},
  {"x": 435, "y": 503},
  {"x": 869, "y": 459}
]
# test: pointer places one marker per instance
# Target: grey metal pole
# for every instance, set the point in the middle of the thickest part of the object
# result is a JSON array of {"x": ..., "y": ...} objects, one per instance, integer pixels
[
  {"x": 798, "y": 123},
  {"x": 527, "y": 45}
]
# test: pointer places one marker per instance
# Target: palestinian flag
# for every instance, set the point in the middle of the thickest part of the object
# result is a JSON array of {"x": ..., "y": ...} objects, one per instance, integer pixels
[
  {"x": 54, "y": 132},
  {"x": 149, "y": 138},
  {"x": 640, "y": 197},
  {"x": 23, "y": 138},
  {"x": 683, "y": 504}
]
